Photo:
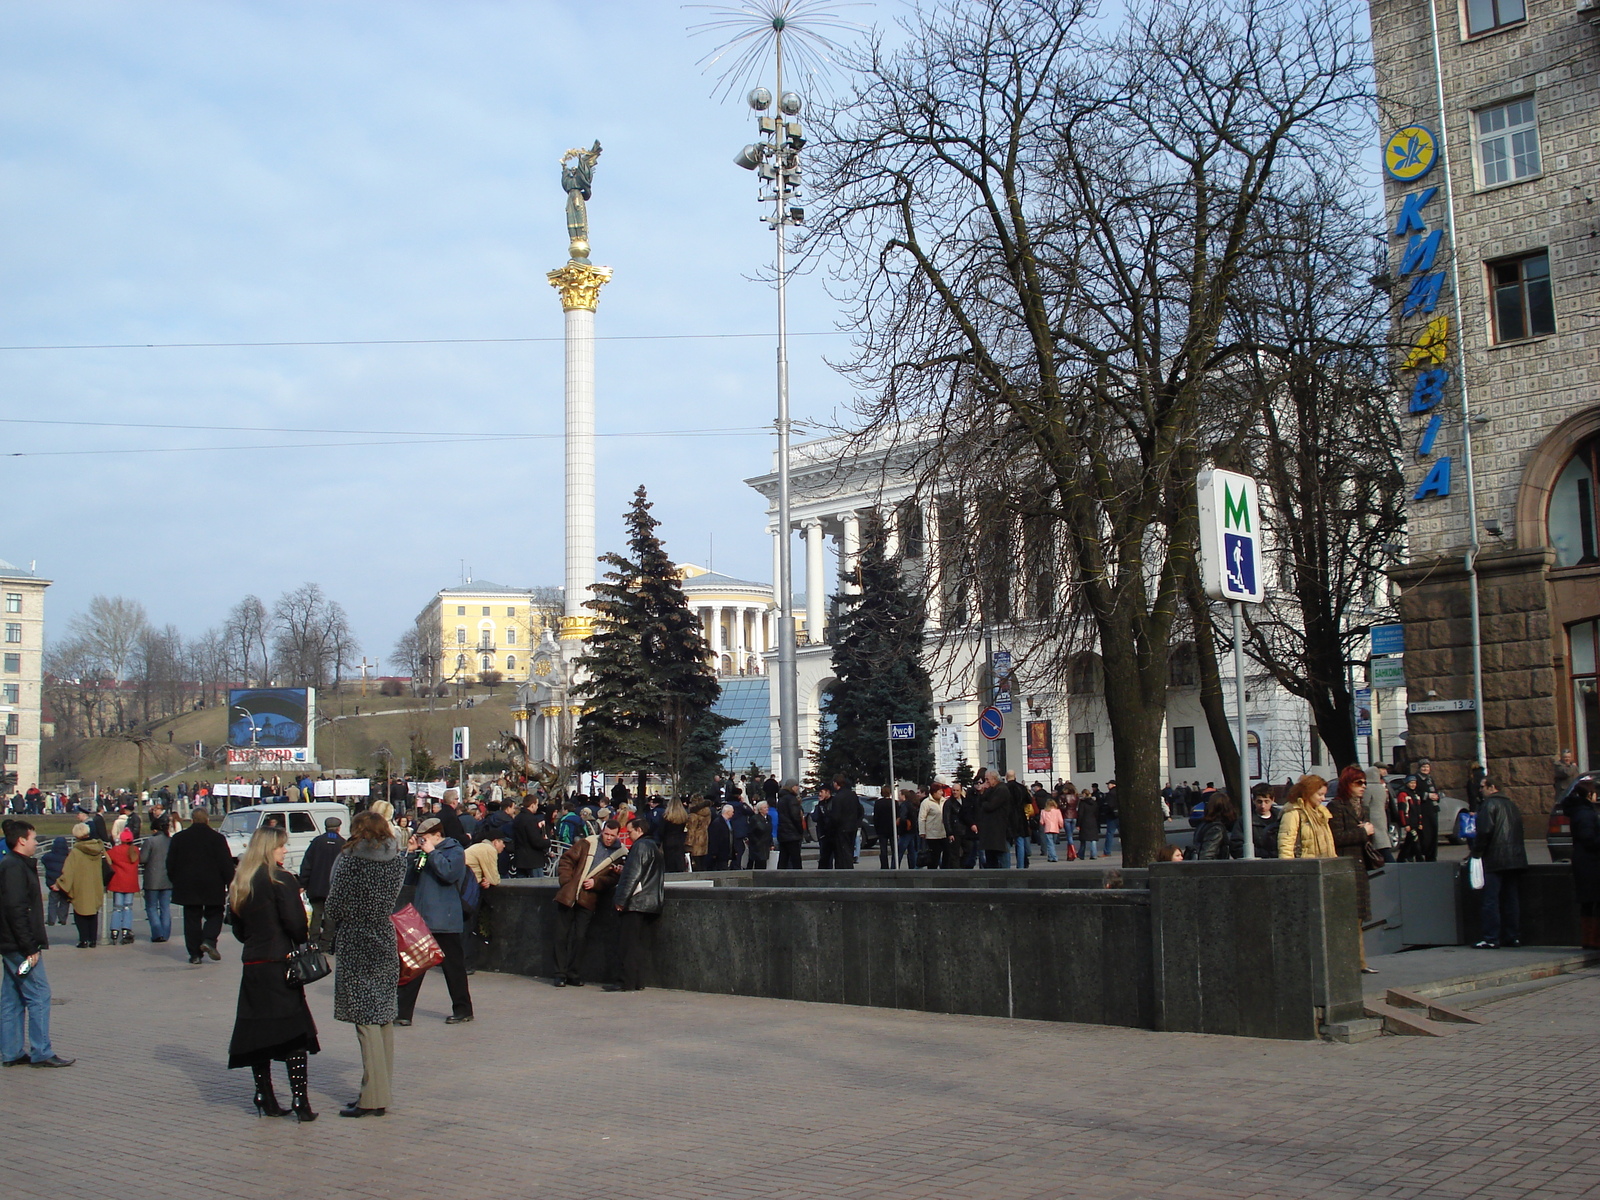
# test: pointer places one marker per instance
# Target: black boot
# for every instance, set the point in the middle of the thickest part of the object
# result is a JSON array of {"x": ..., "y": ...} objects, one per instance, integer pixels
[
  {"x": 266, "y": 1099},
  {"x": 297, "y": 1085}
]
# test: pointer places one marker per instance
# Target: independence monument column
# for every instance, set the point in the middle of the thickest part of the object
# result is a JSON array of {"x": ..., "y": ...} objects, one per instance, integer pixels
[{"x": 579, "y": 285}]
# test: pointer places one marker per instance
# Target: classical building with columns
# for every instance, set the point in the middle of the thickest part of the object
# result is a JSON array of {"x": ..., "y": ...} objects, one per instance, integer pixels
[
  {"x": 739, "y": 616},
  {"x": 1050, "y": 733}
]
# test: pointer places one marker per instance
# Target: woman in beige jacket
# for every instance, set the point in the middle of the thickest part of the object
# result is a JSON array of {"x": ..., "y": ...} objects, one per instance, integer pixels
[{"x": 1304, "y": 830}]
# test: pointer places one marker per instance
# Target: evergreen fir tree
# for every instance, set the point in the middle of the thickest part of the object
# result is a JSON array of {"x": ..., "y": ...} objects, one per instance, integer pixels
[
  {"x": 964, "y": 774},
  {"x": 647, "y": 682},
  {"x": 877, "y": 665}
]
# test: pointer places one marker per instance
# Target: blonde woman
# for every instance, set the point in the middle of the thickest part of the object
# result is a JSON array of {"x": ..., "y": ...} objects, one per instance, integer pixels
[
  {"x": 1304, "y": 831},
  {"x": 273, "y": 1019},
  {"x": 675, "y": 835}
]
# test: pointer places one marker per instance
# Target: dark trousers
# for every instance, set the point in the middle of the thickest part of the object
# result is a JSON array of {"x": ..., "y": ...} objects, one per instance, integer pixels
[
  {"x": 825, "y": 853},
  {"x": 314, "y": 927},
  {"x": 630, "y": 948},
  {"x": 202, "y": 925},
  {"x": 844, "y": 853},
  {"x": 758, "y": 857},
  {"x": 455, "y": 979},
  {"x": 969, "y": 853},
  {"x": 1501, "y": 911},
  {"x": 572, "y": 934},
  {"x": 788, "y": 856},
  {"x": 88, "y": 927},
  {"x": 933, "y": 853}
]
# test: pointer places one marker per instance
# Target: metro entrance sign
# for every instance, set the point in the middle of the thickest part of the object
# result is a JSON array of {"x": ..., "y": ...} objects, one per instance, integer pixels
[
  {"x": 1230, "y": 537},
  {"x": 1229, "y": 549}
]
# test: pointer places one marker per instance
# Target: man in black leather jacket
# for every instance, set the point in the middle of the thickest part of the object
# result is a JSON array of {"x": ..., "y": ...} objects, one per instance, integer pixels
[
  {"x": 846, "y": 818},
  {"x": 1499, "y": 843},
  {"x": 639, "y": 896}
]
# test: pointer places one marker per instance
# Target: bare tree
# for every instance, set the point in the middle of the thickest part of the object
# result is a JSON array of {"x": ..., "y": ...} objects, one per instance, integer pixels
[
  {"x": 1041, "y": 223},
  {"x": 110, "y": 633},
  {"x": 312, "y": 637},
  {"x": 246, "y": 633},
  {"x": 407, "y": 654}
]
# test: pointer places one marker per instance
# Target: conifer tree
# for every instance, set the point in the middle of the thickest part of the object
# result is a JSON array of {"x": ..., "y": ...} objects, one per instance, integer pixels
[
  {"x": 879, "y": 676},
  {"x": 647, "y": 684}
]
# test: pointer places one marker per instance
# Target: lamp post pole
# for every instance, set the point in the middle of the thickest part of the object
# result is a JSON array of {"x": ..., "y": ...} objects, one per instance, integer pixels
[{"x": 776, "y": 160}]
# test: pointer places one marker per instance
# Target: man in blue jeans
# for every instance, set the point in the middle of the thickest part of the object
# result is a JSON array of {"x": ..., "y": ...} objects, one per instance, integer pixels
[
  {"x": 1110, "y": 816},
  {"x": 24, "y": 991}
]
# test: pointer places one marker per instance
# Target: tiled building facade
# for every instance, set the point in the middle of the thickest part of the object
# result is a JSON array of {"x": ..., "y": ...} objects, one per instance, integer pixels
[
  {"x": 1521, "y": 118},
  {"x": 21, "y": 673}
]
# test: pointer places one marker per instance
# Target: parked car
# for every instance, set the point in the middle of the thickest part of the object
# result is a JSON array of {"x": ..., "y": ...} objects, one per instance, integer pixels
[
  {"x": 1558, "y": 835},
  {"x": 303, "y": 821}
]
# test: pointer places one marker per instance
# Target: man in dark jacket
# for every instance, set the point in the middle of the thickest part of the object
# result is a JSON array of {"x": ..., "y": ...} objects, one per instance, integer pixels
[
  {"x": 791, "y": 827},
  {"x": 822, "y": 827},
  {"x": 200, "y": 867},
  {"x": 530, "y": 840},
  {"x": 1499, "y": 844},
  {"x": 640, "y": 894},
  {"x": 24, "y": 992},
  {"x": 846, "y": 817},
  {"x": 399, "y": 796},
  {"x": 450, "y": 818},
  {"x": 995, "y": 821},
  {"x": 316, "y": 871},
  {"x": 1021, "y": 823},
  {"x": 883, "y": 826}
]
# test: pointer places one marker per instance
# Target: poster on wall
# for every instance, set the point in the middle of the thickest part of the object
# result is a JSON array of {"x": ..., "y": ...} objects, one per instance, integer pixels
[
  {"x": 272, "y": 726},
  {"x": 1040, "y": 755}
]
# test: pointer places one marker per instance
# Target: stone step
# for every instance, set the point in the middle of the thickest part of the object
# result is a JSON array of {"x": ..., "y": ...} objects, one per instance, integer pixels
[
  {"x": 1436, "y": 1010},
  {"x": 1363, "y": 1029},
  {"x": 1407, "y": 1021}
]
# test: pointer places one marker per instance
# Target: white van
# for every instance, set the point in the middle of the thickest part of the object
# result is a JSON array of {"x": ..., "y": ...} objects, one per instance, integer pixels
[{"x": 304, "y": 821}]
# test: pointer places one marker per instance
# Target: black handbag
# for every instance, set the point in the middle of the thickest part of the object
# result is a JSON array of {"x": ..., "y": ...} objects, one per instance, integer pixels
[{"x": 307, "y": 964}]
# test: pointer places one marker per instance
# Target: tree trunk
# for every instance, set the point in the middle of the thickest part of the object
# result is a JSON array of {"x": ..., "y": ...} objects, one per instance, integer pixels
[{"x": 1136, "y": 718}]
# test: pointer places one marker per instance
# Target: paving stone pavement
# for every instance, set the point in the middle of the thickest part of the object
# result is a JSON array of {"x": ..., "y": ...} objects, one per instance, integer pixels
[{"x": 578, "y": 1094}]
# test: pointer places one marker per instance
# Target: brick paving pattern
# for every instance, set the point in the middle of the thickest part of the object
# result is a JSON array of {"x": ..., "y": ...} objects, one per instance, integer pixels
[{"x": 669, "y": 1095}]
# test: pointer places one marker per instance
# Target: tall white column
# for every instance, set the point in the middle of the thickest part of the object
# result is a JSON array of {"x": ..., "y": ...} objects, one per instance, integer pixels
[
  {"x": 738, "y": 639},
  {"x": 579, "y": 285},
  {"x": 849, "y": 551},
  {"x": 816, "y": 584}
]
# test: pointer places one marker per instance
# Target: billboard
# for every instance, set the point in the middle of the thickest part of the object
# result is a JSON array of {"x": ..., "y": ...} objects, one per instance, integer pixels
[
  {"x": 1040, "y": 755},
  {"x": 272, "y": 725}
]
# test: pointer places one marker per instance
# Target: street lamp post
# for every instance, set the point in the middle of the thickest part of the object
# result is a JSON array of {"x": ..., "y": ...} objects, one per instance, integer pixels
[{"x": 775, "y": 159}]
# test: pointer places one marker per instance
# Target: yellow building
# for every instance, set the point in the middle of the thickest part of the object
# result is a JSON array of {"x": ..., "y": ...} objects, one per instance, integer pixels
[
  {"x": 477, "y": 627},
  {"x": 21, "y": 673}
]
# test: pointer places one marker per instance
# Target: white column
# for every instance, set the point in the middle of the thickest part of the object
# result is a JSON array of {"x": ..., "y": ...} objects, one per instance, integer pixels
[
  {"x": 890, "y": 519},
  {"x": 777, "y": 567},
  {"x": 580, "y": 466},
  {"x": 931, "y": 588},
  {"x": 849, "y": 550},
  {"x": 738, "y": 639},
  {"x": 816, "y": 586}
]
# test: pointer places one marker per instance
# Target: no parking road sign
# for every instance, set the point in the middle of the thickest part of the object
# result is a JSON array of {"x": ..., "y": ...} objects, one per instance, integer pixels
[{"x": 991, "y": 723}]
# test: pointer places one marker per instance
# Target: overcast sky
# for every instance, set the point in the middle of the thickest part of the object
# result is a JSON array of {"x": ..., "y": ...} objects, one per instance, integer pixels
[{"x": 238, "y": 172}]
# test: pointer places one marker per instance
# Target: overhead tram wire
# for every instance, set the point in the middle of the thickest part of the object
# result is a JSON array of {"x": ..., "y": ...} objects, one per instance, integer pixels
[
  {"x": 434, "y": 440},
  {"x": 615, "y": 337}
]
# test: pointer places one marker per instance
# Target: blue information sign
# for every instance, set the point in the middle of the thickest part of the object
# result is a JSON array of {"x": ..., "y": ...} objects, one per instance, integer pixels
[
  {"x": 991, "y": 723},
  {"x": 906, "y": 732},
  {"x": 1388, "y": 639}
]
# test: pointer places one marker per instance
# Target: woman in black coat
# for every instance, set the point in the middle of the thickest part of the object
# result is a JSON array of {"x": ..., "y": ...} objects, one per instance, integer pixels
[
  {"x": 1583, "y": 811},
  {"x": 273, "y": 1020}
]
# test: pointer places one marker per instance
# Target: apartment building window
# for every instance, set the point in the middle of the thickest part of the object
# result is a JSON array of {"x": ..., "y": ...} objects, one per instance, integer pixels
[
  {"x": 486, "y": 610},
  {"x": 461, "y": 635},
  {"x": 1523, "y": 304},
  {"x": 12, "y": 693},
  {"x": 511, "y": 662},
  {"x": 13, "y": 632},
  {"x": 488, "y": 663},
  {"x": 1484, "y": 15},
  {"x": 11, "y": 756},
  {"x": 1183, "y": 746},
  {"x": 13, "y": 602},
  {"x": 1082, "y": 752},
  {"x": 13, "y": 664},
  {"x": 511, "y": 635},
  {"x": 1574, "y": 519},
  {"x": 1508, "y": 142},
  {"x": 511, "y": 610},
  {"x": 461, "y": 610},
  {"x": 12, "y": 726}
]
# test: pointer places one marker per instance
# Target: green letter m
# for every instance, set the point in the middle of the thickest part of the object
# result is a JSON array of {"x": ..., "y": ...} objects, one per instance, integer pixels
[{"x": 1235, "y": 515}]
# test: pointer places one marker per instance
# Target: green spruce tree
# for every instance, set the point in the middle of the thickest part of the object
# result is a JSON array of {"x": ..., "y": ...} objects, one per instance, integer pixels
[
  {"x": 877, "y": 666},
  {"x": 647, "y": 685}
]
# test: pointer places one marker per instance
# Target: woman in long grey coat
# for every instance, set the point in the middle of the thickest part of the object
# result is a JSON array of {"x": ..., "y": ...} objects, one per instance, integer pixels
[{"x": 361, "y": 896}]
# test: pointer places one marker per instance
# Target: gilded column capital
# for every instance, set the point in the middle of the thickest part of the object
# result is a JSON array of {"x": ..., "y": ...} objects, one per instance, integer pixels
[
  {"x": 579, "y": 285},
  {"x": 576, "y": 628}
]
